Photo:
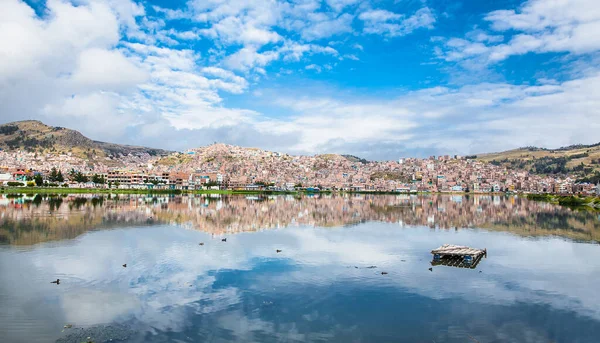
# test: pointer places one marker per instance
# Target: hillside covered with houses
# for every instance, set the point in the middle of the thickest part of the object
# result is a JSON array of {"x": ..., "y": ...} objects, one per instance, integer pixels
[{"x": 34, "y": 154}]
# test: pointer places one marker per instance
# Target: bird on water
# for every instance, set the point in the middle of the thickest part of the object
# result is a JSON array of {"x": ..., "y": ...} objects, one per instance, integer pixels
[
  {"x": 224, "y": 240},
  {"x": 56, "y": 282},
  {"x": 278, "y": 250},
  {"x": 125, "y": 265}
]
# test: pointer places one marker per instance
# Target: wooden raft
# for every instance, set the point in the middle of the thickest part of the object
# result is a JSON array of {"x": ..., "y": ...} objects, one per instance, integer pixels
[{"x": 457, "y": 256}]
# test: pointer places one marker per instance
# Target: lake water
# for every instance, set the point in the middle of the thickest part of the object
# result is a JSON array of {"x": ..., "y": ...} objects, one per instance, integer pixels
[{"x": 539, "y": 283}]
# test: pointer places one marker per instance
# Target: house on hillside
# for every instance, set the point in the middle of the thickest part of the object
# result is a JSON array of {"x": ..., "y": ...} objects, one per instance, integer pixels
[{"x": 19, "y": 175}]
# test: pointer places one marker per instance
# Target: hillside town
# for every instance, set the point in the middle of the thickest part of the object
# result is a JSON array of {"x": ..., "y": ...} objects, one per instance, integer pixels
[{"x": 221, "y": 166}]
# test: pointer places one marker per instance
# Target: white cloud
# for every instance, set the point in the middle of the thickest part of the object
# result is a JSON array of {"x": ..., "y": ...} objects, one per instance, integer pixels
[
  {"x": 249, "y": 58},
  {"x": 324, "y": 26},
  {"x": 225, "y": 75},
  {"x": 324, "y": 122},
  {"x": 471, "y": 119},
  {"x": 65, "y": 68},
  {"x": 391, "y": 24},
  {"x": 540, "y": 26},
  {"x": 28, "y": 44},
  {"x": 185, "y": 35},
  {"x": 339, "y": 5},
  {"x": 233, "y": 30},
  {"x": 250, "y": 35},
  {"x": 313, "y": 67},
  {"x": 58, "y": 65},
  {"x": 379, "y": 15},
  {"x": 107, "y": 70},
  {"x": 292, "y": 51},
  {"x": 96, "y": 112},
  {"x": 321, "y": 254},
  {"x": 107, "y": 67}
]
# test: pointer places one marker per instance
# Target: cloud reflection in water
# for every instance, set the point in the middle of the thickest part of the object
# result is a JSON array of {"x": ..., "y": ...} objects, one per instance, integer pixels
[{"x": 243, "y": 290}]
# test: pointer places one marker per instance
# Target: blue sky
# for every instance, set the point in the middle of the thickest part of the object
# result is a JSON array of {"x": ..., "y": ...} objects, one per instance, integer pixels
[{"x": 379, "y": 79}]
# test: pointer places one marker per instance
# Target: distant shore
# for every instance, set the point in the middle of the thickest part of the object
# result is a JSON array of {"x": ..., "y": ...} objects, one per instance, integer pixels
[{"x": 60, "y": 190}]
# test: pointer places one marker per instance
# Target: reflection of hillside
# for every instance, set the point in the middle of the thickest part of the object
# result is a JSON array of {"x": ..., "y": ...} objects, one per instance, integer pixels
[{"x": 29, "y": 221}]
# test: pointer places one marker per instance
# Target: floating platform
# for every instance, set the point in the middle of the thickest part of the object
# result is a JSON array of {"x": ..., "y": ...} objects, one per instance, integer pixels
[{"x": 457, "y": 256}]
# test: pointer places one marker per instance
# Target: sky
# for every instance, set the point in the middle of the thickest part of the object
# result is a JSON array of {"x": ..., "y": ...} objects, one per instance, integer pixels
[{"x": 377, "y": 79}]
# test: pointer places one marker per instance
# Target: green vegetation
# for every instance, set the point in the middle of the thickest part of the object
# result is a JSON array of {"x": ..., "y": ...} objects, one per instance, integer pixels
[
  {"x": 98, "y": 179},
  {"x": 544, "y": 165},
  {"x": 66, "y": 190},
  {"x": 28, "y": 143},
  {"x": 570, "y": 201},
  {"x": 581, "y": 161},
  {"x": 353, "y": 158},
  {"x": 56, "y": 176},
  {"x": 539, "y": 197},
  {"x": 594, "y": 178},
  {"x": 396, "y": 176},
  {"x": 78, "y": 177},
  {"x": 8, "y": 129},
  {"x": 39, "y": 180}
]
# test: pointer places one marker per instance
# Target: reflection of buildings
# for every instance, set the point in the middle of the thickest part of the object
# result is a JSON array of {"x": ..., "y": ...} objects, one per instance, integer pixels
[{"x": 29, "y": 219}]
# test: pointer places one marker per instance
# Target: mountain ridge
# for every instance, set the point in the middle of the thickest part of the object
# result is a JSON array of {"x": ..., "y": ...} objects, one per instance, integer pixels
[{"x": 34, "y": 135}]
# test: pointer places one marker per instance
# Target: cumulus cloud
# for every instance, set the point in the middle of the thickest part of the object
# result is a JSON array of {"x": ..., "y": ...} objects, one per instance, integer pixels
[
  {"x": 248, "y": 58},
  {"x": 383, "y": 22},
  {"x": 132, "y": 73},
  {"x": 323, "y": 26},
  {"x": 72, "y": 68},
  {"x": 539, "y": 26},
  {"x": 46, "y": 62},
  {"x": 469, "y": 119},
  {"x": 107, "y": 70},
  {"x": 164, "y": 263},
  {"x": 339, "y": 5}
]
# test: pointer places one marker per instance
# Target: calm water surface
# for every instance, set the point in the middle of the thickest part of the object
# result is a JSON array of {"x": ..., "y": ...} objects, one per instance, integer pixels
[{"x": 539, "y": 283}]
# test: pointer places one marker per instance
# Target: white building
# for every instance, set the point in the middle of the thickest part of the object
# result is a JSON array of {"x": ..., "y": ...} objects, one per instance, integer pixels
[{"x": 5, "y": 178}]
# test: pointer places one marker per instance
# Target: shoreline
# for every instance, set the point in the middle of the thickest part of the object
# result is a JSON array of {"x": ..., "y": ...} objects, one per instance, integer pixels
[
  {"x": 571, "y": 201},
  {"x": 60, "y": 190}
]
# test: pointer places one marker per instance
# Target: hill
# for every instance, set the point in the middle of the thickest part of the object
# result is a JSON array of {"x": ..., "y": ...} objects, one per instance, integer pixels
[
  {"x": 257, "y": 165},
  {"x": 583, "y": 161},
  {"x": 35, "y": 136}
]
